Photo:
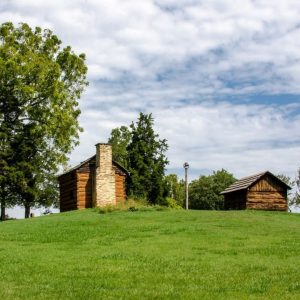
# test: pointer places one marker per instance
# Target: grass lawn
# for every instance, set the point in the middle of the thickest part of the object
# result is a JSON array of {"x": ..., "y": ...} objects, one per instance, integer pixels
[{"x": 152, "y": 255}]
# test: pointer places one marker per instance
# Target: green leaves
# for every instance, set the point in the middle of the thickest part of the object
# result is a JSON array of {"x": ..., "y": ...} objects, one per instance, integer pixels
[
  {"x": 204, "y": 192},
  {"x": 147, "y": 160},
  {"x": 139, "y": 149},
  {"x": 40, "y": 86},
  {"x": 293, "y": 196},
  {"x": 119, "y": 139}
]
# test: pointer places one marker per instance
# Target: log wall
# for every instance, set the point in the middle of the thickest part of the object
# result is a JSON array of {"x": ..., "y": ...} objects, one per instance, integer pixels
[
  {"x": 267, "y": 200},
  {"x": 76, "y": 187},
  {"x": 84, "y": 184},
  {"x": 68, "y": 196},
  {"x": 120, "y": 188},
  {"x": 120, "y": 185},
  {"x": 267, "y": 194},
  {"x": 84, "y": 190}
]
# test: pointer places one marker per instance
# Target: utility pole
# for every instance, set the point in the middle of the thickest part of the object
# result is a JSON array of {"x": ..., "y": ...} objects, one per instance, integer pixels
[{"x": 186, "y": 166}]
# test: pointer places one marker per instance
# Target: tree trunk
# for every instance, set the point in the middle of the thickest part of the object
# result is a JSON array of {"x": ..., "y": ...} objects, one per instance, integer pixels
[
  {"x": 2, "y": 210},
  {"x": 27, "y": 210}
]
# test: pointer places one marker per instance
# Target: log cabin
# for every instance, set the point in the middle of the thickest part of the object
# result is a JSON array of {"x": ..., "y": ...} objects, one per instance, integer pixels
[
  {"x": 95, "y": 182},
  {"x": 262, "y": 191}
]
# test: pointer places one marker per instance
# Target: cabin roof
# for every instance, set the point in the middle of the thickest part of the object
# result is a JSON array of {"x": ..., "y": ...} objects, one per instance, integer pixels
[
  {"x": 246, "y": 182},
  {"x": 89, "y": 159}
]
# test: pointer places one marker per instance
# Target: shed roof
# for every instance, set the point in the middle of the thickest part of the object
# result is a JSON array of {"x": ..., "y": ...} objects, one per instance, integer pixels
[{"x": 245, "y": 182}]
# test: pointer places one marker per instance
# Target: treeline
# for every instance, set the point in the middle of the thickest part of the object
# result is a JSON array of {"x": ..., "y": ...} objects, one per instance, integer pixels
[
  {"x": 140, "y": 150},
  {"x": 204, "y": 192}
]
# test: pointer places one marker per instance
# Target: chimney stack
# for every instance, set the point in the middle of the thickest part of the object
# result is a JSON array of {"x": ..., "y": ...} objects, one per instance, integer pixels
[{"x": 104, "y": 184}]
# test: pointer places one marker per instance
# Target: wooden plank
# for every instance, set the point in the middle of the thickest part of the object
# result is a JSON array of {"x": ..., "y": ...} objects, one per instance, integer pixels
[{"x": 267, "y": 184}]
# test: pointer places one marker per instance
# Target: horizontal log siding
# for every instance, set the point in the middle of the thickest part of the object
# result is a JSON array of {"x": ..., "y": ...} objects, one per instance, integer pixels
[
  {"x": 120, "y": 188},
  {"x": 84, "y": 189},
  {"x": 68, "y": 197},
  {"x": 76, "y": 187},
  {"x": 267, "y": 200}
]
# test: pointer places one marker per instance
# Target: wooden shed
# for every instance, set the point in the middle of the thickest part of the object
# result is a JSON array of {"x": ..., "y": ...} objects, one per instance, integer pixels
[
  {"x": 262, "y": 191},
  {"x": 97, "y": 181}
]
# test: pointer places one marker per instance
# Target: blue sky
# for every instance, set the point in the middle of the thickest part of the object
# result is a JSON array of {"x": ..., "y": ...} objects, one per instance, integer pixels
[{"x": 222, "y": 78}]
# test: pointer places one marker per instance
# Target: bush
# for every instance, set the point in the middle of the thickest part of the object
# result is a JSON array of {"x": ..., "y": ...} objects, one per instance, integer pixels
[
  {"x": 131, "y": 205},
  {"x": 172, "y": 203},
  {"x": 204, "y": 192}
]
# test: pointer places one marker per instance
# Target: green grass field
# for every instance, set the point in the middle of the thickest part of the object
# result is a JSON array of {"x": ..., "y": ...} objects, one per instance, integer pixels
[{"x": 152, "y": 255}]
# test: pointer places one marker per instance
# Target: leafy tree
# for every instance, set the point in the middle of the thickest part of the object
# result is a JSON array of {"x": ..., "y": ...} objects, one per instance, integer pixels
[
  {"x": 119, "y": 139},
  {"x": 176, "y": 188},
  {"x": 290, "y": 197},
  {"x": 293, "y": 198},
  {"x": 147, "y": 161},
  {"x": 40, "y": 86},
  {"x": 204, "y": 192}
]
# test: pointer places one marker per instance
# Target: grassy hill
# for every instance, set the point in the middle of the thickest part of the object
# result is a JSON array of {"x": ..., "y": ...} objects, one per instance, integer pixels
[{"x": 152, "y": 255}]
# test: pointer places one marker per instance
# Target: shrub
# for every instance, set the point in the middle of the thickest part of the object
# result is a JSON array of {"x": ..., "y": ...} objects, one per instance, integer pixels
[
  {"x": 131, "y": 205},
  {"x": 172, "y": 203},
  {"x": 205, "y": 191}
]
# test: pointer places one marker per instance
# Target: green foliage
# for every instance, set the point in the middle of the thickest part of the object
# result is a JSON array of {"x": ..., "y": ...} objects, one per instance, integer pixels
[
  {"x": 172, "y": 203},
  {"x": 147, "y": 161},
  {"x": 119, "y": 139},
  {"x": 140, "y": 150},
  {"x": 40, "y": 86},
  {"x": 204, "y": 192},
  {"x": 296, "y": 199},
  {"x": 174, "y": 254},
  {"x": 290, "y": 196},
  {"x": 176, "y": 188},
  {"x": 130, "y": 205}
]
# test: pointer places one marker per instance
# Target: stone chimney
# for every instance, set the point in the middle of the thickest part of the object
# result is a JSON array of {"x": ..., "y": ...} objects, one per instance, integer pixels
[{"x": 104, "y": 184}]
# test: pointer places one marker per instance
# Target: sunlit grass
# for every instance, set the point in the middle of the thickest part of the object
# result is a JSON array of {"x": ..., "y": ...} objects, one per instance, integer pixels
[{"x": 171, "y": 254}]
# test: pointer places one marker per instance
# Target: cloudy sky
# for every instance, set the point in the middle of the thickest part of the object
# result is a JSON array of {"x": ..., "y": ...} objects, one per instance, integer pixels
[{"x": 222, "y": 78}]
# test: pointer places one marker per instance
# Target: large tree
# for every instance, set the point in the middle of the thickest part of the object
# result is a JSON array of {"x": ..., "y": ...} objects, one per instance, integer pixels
[
  {"x": 147, "y": 161},
  {"x": 120, "y": 138},
  {"x": 41, "y": 83},
  {"x": 204, "y": 192}
]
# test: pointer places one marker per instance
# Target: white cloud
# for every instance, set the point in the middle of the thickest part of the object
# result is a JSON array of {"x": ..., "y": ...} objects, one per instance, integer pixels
[
  {"x": 244, "y": 139},
  {"x": 194, "y": 64}
]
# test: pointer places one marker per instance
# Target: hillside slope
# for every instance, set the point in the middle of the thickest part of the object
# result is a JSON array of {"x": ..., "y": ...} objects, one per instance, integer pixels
[{"x": 152, "y": 255}]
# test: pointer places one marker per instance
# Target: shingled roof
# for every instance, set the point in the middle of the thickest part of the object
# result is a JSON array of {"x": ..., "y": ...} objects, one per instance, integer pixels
[
  {"x": 245, "y": 182},
  {"x": 90, "y": 159}
]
